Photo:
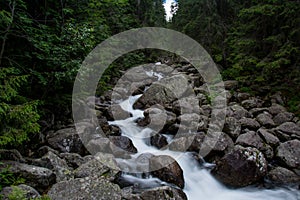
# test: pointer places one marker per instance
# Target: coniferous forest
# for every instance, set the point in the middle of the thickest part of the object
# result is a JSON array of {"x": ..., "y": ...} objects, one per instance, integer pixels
[{"x": 43, "y": 43}]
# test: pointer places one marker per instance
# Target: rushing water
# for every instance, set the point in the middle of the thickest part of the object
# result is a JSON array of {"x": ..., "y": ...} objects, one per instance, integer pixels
[{"x": 199, "y": 183}]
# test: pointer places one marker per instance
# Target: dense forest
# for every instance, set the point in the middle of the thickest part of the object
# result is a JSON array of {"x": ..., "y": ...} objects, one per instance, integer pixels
[{"x": 44, "y": 42}]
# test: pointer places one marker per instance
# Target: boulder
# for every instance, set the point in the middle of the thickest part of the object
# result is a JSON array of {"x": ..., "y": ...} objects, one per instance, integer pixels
[
  {"x": 96, "y": 167},
  {"x": 275, "y": 109},
  {"x": 243, "y": 96},
  {"x": 268, "y": 137},
  {"x": 230, "y": 84},
  {"x": 289, "y": 153},
  {"x": 121, "y": 145},
  {"x": 157, "y": 118},
  {"x": 289, "y": 128},
  {"x": 115, "y": 112},
  {"x": 265, "y": 120},
  {"x": 251, "y": 103},
  {"x": 283, "y": 117},
  {"x": 282, "y": 175},
  {"x": 249, "y": 123},
  {"x": 252, "y": 139},
  {"x": 186, "y": 105},
  {"x": 89, "y": 188},
  {"x": 158, "y": 141},
  {"x": 241, "y": 167},
  {"x": 164, "y": 92},
  {"x": 44, "y": 150},
  {"x": 73, "y": 160},
  {"x": 39, "y": 178},
  {"x": 256, "y": 111},
  {"x": 167, "y": 169},
  {"x": 66, "y": 140},
  {"x": 239, "y": 112},
  {"x": 161, "y": 193},
  {"x": 29, "y": 192},
  {"x": 56, "y": 164},
  {"x": 232, "y": 127}
]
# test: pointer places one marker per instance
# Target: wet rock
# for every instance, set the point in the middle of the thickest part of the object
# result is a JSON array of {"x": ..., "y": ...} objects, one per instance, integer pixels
[
  {"x": 143, "y": 162},
  {"x": 115, "y": 112},
  {"x": 282, "y": 175},
  {"x": 29, "y": 192},
  {"x": 232, "y": 127},
  {"x": 89, "y": 188},
  {"x": 183, "y": 144},
  {"x": 265, "y": 120},
  {"x": 249, "y": 123},
  {"x": 37, "y": 177},
  {"x": 121, "y": 144},
  {"x": 161, "y": 193},
  {"x": 268, "y": 137},
  {"x": 13, "y": 155},
  {"x": 158, "y": 141},
  {"x": 241, "y": 167},
  {"x": 157, "y": 119},
  {"x": 66, "y": 140},
  {"x": 164, "y": 92},
  {"x": 289, "y": 153},
  {"x": 283, "y": 117},
  {"x": 167, "y": 169}
]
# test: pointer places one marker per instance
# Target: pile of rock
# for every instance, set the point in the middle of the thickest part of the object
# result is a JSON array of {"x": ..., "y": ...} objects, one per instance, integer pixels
[{"x": 260, "y": 140}]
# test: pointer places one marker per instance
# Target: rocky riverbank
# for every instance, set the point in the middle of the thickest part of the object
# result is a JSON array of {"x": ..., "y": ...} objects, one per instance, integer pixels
[{"x": 259, "y": 143}]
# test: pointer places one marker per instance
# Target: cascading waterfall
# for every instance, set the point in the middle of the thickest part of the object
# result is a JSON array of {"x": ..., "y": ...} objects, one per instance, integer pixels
[{"x": 199, "y": 183}]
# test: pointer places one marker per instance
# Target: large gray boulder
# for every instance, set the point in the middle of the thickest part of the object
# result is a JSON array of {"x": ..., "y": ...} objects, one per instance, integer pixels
[
  {"x": 268, "y": 136},
  {"x": 241, "y": 167},
  {"x": 282, "y": 175},
  {"x": 167, "y": 169},
  {"x": 249, "y": 123},
  {"x": 288, "y": 130},
  {"x": 66, "y": 140},
  {"x": 56, "y": 164},
  {"x": 289, "y": 153},
  {"x": 283, "y": 117},
  {"x": 97, "y": 167},
  {"x": 89, "y": 188},
  {"x": 164, "y": 92},
  {"x": 252, "y": 139},
  {"x": 39, "y": 178},
  {"x": 232, "y": 127},
  {"x": 265, "y": 120}
]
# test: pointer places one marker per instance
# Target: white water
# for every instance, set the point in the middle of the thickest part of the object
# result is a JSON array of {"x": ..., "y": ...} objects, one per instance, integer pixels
[{"x": 199, "y": 183}]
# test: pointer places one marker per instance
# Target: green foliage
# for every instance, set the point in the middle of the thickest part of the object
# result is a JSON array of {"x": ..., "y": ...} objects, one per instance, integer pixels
[
  {"x": 7, "y": 178},
  {"x": 18, "y": 194}
]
